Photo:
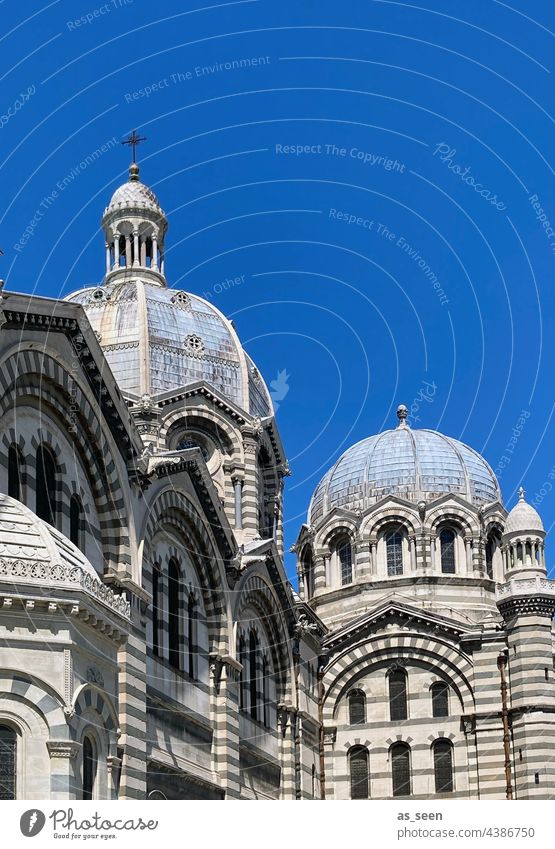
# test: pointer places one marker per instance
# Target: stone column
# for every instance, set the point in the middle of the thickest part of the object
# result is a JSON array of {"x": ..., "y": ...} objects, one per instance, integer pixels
[
  {"x": 143, "y": 251},
  {"x": 113, "y": 766},
  {"x": 319, "y": 574},
  {"x": 155, "y": 253},
  {"x": 238, "y": 501},
  {"x": 330, "y": 735},
  {"x": 224, "y": 679},
  {"x": 135, "y": 248},
  {"x": 287, "y": 729},
  {"x": 362, "y": 564},
  {"x": 108, "y": 269},
  {"x": 250, "y": 494},
  {"x": 468, "y": 553},
  {"x": 63, "y": 781},
  {"x": 373, "y": 557},
  {"x": 412, "y": 552},
  {"x": 116, "y": 252},
  {"x": 128, "y": 251},
  {"x": 132, "y": 702}
]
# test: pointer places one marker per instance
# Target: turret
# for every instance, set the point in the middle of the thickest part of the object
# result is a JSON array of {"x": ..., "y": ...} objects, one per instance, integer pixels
[
  {"x": 134, "y": 227},
  {"x": 522, "y": 544}
]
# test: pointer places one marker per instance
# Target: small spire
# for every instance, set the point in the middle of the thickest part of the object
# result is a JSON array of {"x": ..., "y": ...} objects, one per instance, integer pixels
[
  {"x": 402, "y": 414},
  {"x": 521, "y": 494}
]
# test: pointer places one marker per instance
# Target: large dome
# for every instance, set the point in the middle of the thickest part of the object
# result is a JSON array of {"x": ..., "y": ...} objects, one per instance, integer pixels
[
  {"x": 418, "y": 465},
  {"x": 157, "y": 340}
]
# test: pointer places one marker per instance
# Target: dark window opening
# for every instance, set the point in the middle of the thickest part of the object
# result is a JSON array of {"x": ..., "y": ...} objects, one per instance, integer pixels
[
  {"x": 357, "y": 707},
  {"x": 156, "y": 581},
  {"x": 15, "y": 472},
  {"x": 253, "y": 674},
  {"x": 89, "y": 768},
  {"x": 174, "y": 615},
  {"x": 76, "y": 521},
  {"x": 443, "y": 766},
  {"x": 345, "y": 555},
  {"x": 192, "y": 647},
  {"x": 447, "y": 545},
  {"x": 46, "y": 485},
  {"x": 400, "y": 769},
  {"x": 440, "y": 699},
  {"x": 266, "y": 691},
  {"x": 242, "y": 654},
  {"x": 492, "y": 544},
  {"x": 8, "y": 761},
  {"x": 394, "y": 550},
  {"x": 398, "y": 695},
  {"x": 358, "y": 764}
]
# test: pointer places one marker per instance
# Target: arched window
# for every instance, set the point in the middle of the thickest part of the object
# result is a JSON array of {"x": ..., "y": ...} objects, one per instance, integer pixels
[
  {"x": 345, "y": 557},
  {"x": 447, "y": 546},
  {"x": 400, "y": 769},
  {"x": 398, "y": 695},
  {"x": 307, "y": 570},
  {"x": 493, "y": 544},
  {"x": 357, "y": 707},
  {"x": 76, "y": 521},
  {"x": 266, "y": 691},
  {"x": 174, "y": 614},
  {"x": 242, "y": 657},
  {"x": 394, "y": 552},
  {"x": 156, "y": 585},
  {"x": 89, "y": 768},
  {"x": 443, "y": 766},
  {"x": 191, "y": 635},
  {"x": 266, "y": 487},
  {"x": 253, "y": 674},
  {"x": 440, "y": 699},
  {"x": 8, "y": 761},
  {"x": 358, "y": 768},
  {"x": 15, "y": 472},
  {"x": 46, "y": 485}
]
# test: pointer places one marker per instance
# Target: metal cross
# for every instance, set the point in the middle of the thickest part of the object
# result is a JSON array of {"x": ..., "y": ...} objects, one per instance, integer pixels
[{"x": 133, "y": 140}]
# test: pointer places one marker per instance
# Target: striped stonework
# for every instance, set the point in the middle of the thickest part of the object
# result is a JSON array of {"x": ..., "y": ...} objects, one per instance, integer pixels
[{"x": 34, "y": 374}]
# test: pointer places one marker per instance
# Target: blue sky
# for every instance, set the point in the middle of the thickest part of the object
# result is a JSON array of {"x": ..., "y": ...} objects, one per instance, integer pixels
[{"x": 380, "y": 173}]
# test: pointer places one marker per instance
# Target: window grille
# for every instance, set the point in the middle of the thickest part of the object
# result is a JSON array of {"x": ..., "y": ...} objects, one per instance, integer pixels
[
  {"x": 358, "y": 764},
  {"x": 443, "y": 766},
  {"x": 400, "y": 769},
  {"x": 394, "y": 548}
]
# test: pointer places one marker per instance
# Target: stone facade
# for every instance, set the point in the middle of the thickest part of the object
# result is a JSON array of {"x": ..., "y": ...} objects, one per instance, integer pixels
[{"x": 151, "y": 645}]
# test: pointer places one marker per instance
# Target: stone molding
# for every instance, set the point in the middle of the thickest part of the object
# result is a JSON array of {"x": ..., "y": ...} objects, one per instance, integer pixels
[{"x": 56, "y": 575}]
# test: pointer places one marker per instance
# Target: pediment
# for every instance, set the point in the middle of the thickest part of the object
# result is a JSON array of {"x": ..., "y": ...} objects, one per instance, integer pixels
[{"x": 395, "y": 612}]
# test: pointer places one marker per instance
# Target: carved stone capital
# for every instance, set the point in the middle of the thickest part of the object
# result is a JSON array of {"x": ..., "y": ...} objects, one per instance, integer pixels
[
  {"x": 330, "y": 736},
  {"x": 63, "y": 748}
]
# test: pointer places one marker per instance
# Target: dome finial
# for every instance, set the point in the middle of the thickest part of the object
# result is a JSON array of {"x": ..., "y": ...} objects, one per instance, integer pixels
[
  {"x": 402, "y": 414},
  {"x": 521, "y": 494}
]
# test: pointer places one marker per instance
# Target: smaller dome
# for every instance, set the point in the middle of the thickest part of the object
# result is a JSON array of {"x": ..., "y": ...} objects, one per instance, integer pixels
[
  {"x": 134, "y": 194},
  {"x": 523, "y": 517},
  {"x": 34, "y": 554}
]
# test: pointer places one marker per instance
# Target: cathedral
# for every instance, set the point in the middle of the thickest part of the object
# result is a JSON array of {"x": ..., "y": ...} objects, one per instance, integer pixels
[{"x": 151, "y": 644}]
